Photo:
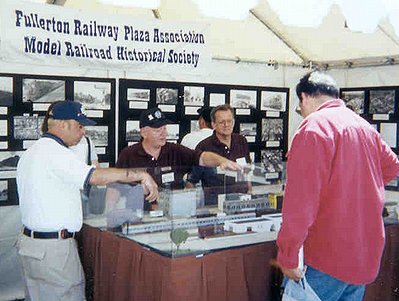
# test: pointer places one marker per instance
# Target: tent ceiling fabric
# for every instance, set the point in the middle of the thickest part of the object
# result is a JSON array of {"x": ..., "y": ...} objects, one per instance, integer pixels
[{"x": 263, "y": 38}]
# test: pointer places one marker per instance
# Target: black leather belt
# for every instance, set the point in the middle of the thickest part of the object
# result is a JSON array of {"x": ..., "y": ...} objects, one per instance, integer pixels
[{"x": 63, "y": 234}]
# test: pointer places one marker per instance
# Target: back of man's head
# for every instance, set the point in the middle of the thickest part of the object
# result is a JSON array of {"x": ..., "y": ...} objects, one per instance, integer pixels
[{"x": 317, "y": 83}]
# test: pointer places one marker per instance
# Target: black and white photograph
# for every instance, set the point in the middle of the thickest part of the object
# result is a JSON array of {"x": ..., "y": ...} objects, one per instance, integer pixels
[
  {"x": 194, "y": 96},
  {"x": 354, "y": 100},
  {"x": 9, "y": 160},
  {"x": 27, "y": 127},
  {"x": 173, "y": 131},
  {"x": 248, "y": 129},
  {"x": 272, "y": 129},
  {"x": 217, "y": 99},
  {"x": 98, "y": 134},
  {"x": 42, "y": 90},
  {"x": 93, "y": 95},
  {"x": 389, "y": 133},
  {"x": 138, "y": 94},
  {"x": 272, "y": 160},
  {"x": 382, "y": 102},
  {"x": 273, "y": 101},
  {"x": 3, "y": 191},
  {"x": 167, "y": 96},
  {"x": 194, "y": 126},
  {"x": 133, "y": 130},
  {"x": 3, "y": 128},
  {"x": 6, "y": 86},
  {"x": 242, "y": 99}
]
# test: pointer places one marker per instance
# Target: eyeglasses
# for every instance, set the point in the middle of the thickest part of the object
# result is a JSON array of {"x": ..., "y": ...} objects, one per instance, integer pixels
[{"x": 225, "y": 122}]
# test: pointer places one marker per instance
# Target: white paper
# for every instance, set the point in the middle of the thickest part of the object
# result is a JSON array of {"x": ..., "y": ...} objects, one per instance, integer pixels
[
  {"x": 41, "y": 106},
  {"x": 191, "y": 110},
  {"x": 272, "y": 143},
  {"x": 138, "y": 105},
  {"x": 167, "y": 108},
  {"x": 94, "y": 113},
  {"x": 389, "y": 133},
  {"x": 380, "y": 116},
  {"x": 243, "y": 112},
  {"x": 272, "y": 114}
]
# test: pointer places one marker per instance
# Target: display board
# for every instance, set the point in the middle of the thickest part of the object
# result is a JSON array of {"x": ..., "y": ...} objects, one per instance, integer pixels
[
  {"x": 24, "y": 100},
  {"x": 379, "y": 106},
  {"x": 261, "y": 114}
]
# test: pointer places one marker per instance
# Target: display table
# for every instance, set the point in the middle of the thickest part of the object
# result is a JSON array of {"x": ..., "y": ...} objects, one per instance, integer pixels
[{"x": 120, "y": 269}]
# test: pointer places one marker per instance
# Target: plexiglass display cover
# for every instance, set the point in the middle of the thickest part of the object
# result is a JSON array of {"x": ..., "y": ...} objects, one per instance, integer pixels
[{"x": 227, "y": 209}]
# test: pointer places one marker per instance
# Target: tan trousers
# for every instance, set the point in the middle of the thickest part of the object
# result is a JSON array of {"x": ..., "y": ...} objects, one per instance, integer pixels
[{"x": 52, "y": 269}]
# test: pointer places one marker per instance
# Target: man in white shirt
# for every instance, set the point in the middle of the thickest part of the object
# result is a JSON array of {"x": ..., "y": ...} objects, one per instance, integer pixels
[
  {"x": 192, "y": 139},
  {"x": 49, "y": 179}
]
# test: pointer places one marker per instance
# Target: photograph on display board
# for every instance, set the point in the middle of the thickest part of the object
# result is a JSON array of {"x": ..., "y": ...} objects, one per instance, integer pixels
[
  {"x": 173, "y": 131},
  {"x": 3, "y": 191},
  {"x": 248, "y": 129},
  {"x": 3, "y": 128},
  {"x": 138, "y": 94},
  {"x": 389, "y": 133},
  {"x": 27, "y": 127},
  {"x": 42, "y": 90},
  {"x": 272, "y": 160},
  {"x": 382, "y": 102},
  {"x": 98, "y": 134},
  {"x": 167, "y": 96},
  {"x": 9, "y": 160},
  {"x": 6, "y": 87},
  {"x": 93, "y": 95},
  {"x": 272, "y": 129},
  {"x": 242, "y": 99},
  {"x": 217, "y": 99},
  {"x": 354, "y": 100},
  {"x": 273, "y": 101},
  {"x": 194, "y": 126},
  {"x": 194, "y": 96},
  {"x": 132, "y": 131}
]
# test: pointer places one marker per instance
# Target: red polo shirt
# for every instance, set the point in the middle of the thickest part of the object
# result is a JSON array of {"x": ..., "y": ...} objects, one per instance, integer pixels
[{"x": 336, "y": 171}]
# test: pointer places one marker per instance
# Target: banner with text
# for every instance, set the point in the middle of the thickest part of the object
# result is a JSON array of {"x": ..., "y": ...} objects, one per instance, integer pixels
[{"x": 54, "y": 35}]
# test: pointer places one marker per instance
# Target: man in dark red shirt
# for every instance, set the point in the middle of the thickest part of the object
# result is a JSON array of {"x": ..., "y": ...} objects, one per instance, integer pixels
[
  {"x": 166, "y": 162},
  {"x": 227, "y": 144}
]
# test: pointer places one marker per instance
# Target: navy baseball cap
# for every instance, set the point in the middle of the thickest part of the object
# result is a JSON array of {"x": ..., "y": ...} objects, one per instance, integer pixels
[
  {"x": 153, "y": 118},
  {"x": 70, "y": 110}
]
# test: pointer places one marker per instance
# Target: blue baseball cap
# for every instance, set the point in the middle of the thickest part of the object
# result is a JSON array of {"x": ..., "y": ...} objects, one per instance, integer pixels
[{"x": 70, "y": 110}]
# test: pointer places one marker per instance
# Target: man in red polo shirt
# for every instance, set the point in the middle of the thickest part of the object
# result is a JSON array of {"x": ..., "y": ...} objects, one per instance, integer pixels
[{"x": 337, "y": 168}]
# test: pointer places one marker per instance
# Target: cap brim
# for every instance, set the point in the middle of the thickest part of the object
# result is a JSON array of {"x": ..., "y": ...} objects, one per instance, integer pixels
[
  {"x": 86, "y": 121},
  {"x": 160, "y": 123}
]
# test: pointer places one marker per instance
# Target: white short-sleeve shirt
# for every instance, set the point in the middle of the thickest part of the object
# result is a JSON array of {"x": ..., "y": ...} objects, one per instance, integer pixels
[
  {"x": 192, "y": 139},
  {"x": 49, "y": 179},
  {"x": 81, "y": 150}
]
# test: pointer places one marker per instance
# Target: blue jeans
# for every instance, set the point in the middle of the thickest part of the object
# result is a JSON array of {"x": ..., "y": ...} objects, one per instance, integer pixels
[{"x": 329, "y": 288}]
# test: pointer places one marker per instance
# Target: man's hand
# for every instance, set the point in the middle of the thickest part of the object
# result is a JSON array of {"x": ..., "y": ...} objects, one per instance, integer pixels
[
  {"x": 150, "y": 187},
  {"x": 294, "y": 274},
  {"x": 230, "y": 165}
]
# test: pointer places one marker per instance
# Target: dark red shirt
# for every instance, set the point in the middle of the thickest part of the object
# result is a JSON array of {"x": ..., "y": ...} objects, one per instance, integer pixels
[
  {"x": 172, "y": 158},
  {"x": 238, "y": 148},
  {"x": 213, "y": 183}
]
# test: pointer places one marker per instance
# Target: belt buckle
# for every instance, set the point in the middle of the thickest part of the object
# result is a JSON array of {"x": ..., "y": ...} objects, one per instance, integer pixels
[{"x": 64, "y": 234}]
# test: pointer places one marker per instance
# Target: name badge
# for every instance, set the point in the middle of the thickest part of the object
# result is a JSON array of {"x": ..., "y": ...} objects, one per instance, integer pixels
[
  {"x": 168, "y": 177},
  {"x": 241, "y": 161}
]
